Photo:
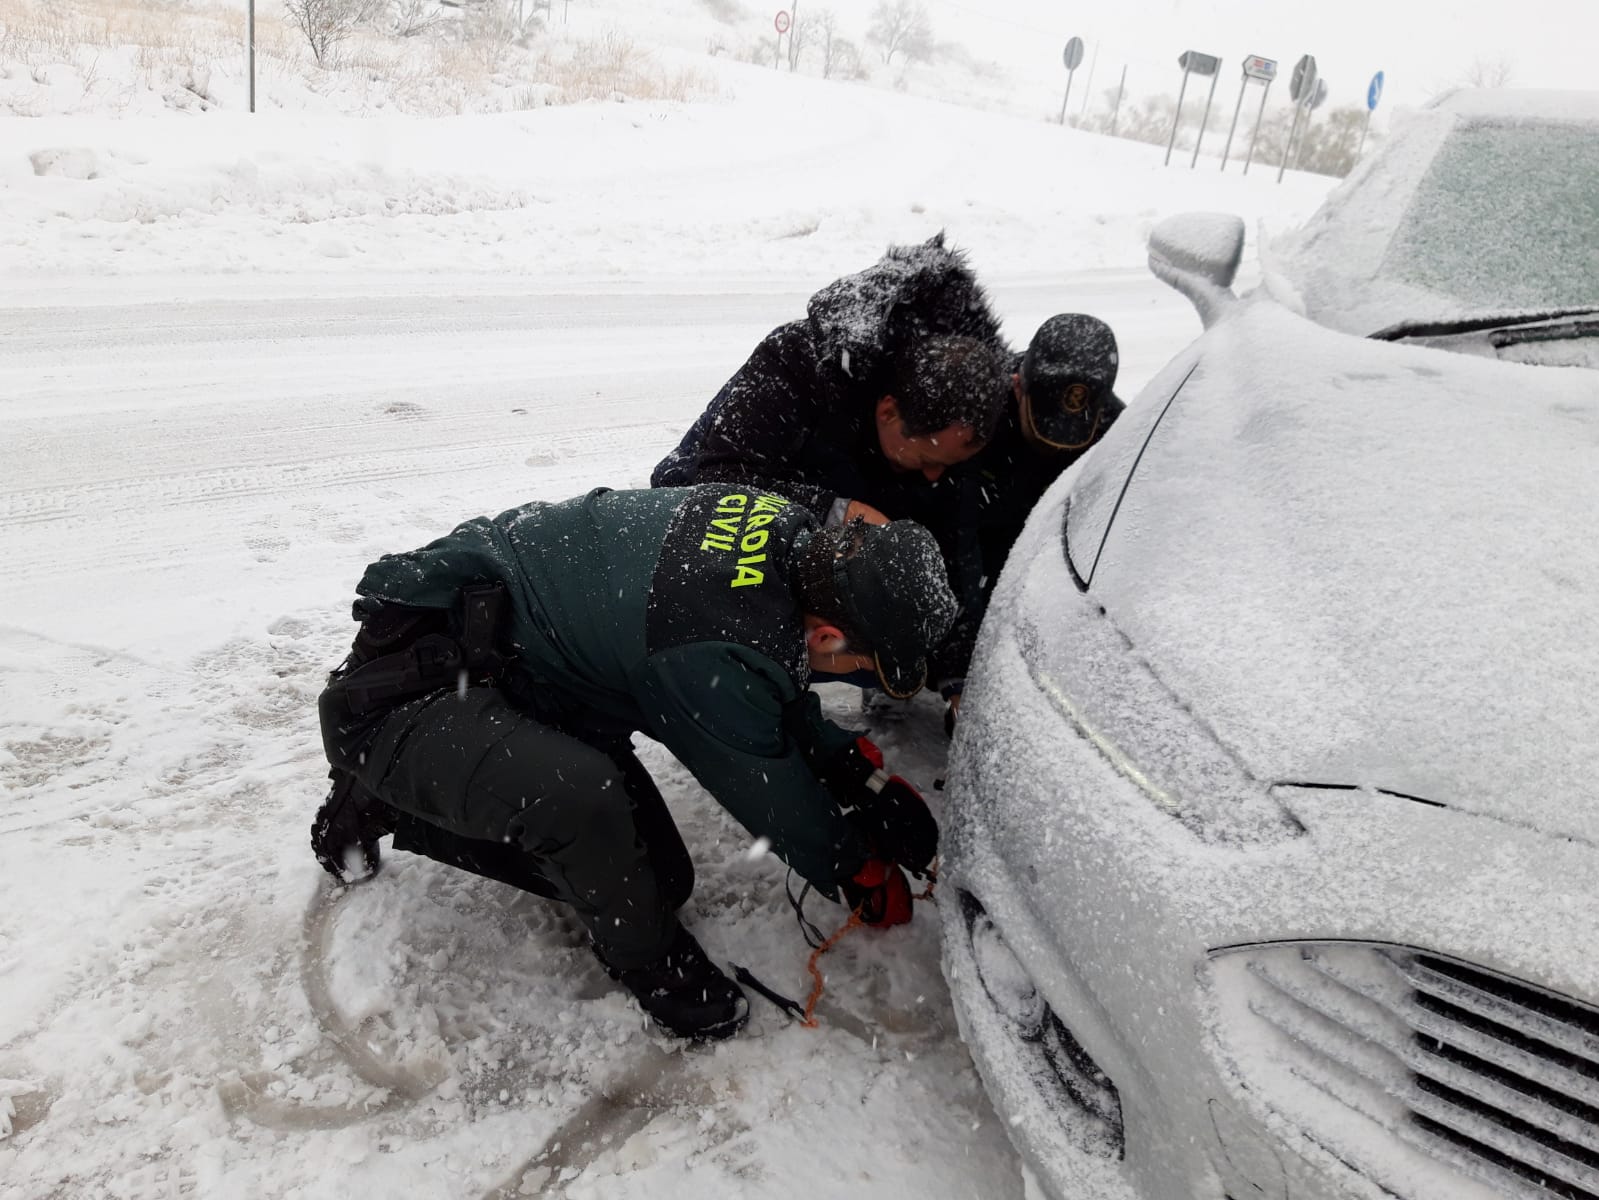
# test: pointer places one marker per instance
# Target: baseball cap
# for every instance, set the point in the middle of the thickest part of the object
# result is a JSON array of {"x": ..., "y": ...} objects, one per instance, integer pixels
[
  {"x": 891, "y": 585},
  {"x": 1068, "y": 377}
]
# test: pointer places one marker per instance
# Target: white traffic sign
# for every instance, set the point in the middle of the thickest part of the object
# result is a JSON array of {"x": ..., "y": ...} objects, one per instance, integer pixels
[
  {"x": 1257, "y": 67},
  {"x": 1197, "y": 63},
  {"x": 1073, "y": 54},
  {"x": 781, "y": 22},
  {"x": 1264, "y": 70}
]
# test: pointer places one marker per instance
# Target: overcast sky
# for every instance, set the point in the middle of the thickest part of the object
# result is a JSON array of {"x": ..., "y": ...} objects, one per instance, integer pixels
[{"x": 1420, "y": 45}]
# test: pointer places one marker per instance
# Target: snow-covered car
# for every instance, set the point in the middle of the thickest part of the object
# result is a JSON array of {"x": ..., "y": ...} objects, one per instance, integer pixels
[{"x": 1272, "y": 855}]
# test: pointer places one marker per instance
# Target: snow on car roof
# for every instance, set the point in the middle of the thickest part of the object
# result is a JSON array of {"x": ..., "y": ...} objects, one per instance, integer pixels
[{"x": 1485, "y": 203}]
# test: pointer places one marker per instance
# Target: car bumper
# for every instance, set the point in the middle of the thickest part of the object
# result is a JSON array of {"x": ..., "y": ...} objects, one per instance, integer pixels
[{"x": 1124, "y": 923}]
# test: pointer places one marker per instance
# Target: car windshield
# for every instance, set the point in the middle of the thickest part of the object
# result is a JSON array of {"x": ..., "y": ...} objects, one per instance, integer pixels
[{"x": 1506, "y": 218}]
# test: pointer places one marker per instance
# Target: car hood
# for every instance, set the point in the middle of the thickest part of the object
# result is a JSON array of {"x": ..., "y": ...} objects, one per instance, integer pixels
[{"x": 1368, "y": 564}]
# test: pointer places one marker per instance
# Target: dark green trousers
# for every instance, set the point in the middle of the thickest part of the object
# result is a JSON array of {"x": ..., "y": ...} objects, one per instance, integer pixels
[{"x": 481, "y": 785}]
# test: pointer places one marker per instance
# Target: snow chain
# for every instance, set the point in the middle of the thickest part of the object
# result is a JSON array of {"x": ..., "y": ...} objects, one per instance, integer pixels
[{"x": 806, "y": 1013}]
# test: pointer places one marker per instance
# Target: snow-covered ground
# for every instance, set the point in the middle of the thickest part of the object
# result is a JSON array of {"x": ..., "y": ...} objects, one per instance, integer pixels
[{"x": 244, "y": 356}]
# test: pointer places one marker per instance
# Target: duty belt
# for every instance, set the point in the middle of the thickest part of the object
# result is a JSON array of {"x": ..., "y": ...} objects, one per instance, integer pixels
[{"x": 434, "y": 660}]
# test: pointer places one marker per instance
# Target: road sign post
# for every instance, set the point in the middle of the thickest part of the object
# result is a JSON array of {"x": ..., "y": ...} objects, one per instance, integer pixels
[
  {"x": 249, "y": 48},
  {"x": 1116, "y": 113},
  {"x": 1204, "y": 120},
  {"x": 780, "y": 23},
  {"x": 1073, "y": 58},
  {"x": 1255, "y": 67},
  {"x": 1373, "y": 95},
  {"x": 1178, "y": 119},
  {"x": 1301, "y": 90},
  {"x": 1318, "y": 98},
  {"x": 1193, "y": 63}
]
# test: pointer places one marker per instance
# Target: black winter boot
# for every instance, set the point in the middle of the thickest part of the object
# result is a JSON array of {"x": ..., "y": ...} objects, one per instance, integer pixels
[
  {"x": 350, "y": 819},
  {"x": 685, "y": 992}
]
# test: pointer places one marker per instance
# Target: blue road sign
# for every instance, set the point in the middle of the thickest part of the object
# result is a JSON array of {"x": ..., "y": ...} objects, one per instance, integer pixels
[{"x": 1374, "y": 92}]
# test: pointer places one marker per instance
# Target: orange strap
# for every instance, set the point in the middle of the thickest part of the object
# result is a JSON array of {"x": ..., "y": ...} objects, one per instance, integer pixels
[{"x": 818, "y": 984}]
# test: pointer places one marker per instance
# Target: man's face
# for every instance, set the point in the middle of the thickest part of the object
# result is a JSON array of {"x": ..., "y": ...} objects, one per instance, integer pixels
[
  {"x": 930, "y": 454},
  {"x": 828, "y": 651}
]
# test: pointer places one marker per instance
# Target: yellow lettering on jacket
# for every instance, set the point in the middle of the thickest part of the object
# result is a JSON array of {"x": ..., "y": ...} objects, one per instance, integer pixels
[{"x": 740, "y": 528}]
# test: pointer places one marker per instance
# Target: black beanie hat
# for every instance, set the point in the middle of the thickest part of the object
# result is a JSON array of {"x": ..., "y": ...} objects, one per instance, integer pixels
[{"x": 887, "y": 587}]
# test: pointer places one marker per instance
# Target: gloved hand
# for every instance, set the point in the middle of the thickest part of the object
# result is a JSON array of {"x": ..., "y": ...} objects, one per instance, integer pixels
[
  {"x": 880, "y": 894},
  {"x": 889, "y": 810},
  {"x": 342, "y": 825}
]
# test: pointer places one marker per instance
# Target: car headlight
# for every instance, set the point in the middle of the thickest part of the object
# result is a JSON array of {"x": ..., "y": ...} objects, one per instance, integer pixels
[{"x": 1096, "y": 679}]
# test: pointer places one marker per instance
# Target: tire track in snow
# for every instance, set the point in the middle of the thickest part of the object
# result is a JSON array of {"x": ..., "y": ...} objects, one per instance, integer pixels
[
  {"x": 246, "y": 1096},
  {"x": 603, "y": 1122}
]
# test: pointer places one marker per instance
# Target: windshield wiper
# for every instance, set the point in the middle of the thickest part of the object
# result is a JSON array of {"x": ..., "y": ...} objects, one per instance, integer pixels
[
  {"x": 1408, "y": 329},
  {"x": 1564, "y": 332}
]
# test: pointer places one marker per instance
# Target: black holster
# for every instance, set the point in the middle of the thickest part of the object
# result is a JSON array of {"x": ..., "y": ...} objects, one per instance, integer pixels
[{"x": 402, "y": 653}]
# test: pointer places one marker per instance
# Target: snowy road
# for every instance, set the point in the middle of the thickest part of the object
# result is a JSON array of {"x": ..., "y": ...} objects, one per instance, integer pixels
[{"x": 187, "y": 492}]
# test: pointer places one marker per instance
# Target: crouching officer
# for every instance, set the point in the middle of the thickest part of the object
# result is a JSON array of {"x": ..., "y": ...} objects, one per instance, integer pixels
[{"x": 484, "y": 715}]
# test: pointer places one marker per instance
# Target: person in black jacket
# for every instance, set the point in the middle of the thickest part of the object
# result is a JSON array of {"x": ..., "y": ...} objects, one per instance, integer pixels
[
  {"x": 1064, "y": 400},
  {"x": 484, "y": 714},
  {"x": 897, "y": 397},
  {"x": 895, "y": 374}
]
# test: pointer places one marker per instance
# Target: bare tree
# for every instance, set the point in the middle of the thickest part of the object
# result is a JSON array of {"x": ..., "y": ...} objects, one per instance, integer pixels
[
  {"x": 827, "y": 38},
  {"x": 1487, "y": 73},
  {"x": 901, "y": 27},
  {"x": 407, "y": 18},
  {"x": 799, "y": 38},
  {"x": 326, "y": 23},
  {"x": 848, "y": 62}
]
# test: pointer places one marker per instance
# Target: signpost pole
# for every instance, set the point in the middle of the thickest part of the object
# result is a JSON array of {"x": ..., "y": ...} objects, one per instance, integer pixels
[
  {"x": 1292, "y": 132},
  {"x": 1261, "y": 112},
  {"x": 249, "y": 48},
  {"x": 1072, "y": 56},
  {"x": 1364, "y": 130},
  {"x": 1088, "y": 84},
  {"x": 1243, "y": 86},
  {"x": 1302, "y": 91},
  {"x": 1176, "y": 120},
  {"x": 1116, "y": 112},
  {"x": 1316, "y": 99},
  {"x": 781, "y": 24},
  {"x": 1205, "y": 120}
]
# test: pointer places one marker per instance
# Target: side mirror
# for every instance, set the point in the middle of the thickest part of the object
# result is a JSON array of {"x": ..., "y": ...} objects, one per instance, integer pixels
[{"x": 1198, "y": 254}]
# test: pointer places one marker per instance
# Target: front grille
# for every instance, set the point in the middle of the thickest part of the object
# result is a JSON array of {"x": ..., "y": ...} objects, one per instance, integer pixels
[{"x": 1496, "y": 1078}]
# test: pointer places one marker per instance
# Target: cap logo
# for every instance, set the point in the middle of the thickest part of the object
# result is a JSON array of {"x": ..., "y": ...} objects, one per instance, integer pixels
[{"x": 1076, "y": 397}]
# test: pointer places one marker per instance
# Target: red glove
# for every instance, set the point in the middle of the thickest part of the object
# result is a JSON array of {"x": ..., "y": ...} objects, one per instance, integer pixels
[
  {"x": 880, "y": 894},
  {"x": 885, "y": 807}
]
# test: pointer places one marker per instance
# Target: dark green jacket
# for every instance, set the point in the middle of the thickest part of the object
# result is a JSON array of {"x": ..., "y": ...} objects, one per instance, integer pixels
[{"x": 666, "y": 611}]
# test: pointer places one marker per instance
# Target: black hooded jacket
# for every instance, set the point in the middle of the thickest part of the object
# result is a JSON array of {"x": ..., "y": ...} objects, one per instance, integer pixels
[{"x": 799, "y": 416}]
